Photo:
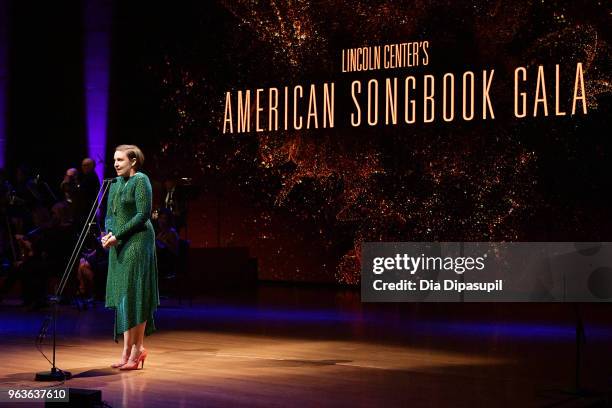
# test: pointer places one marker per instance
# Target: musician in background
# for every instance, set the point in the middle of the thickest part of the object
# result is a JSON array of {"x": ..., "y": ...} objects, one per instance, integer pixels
[
  {"x": 167, "y": 243},
  {"x": 175, "y": 199},
  {"x": 6, "y": 246},
  {"x": 89, "y": 183},
  {"x": 31, "y": 268},
  {"x": 87, "y": 187},
  {"x": 24, "y": 197},
  {"x": 70, "y": 184},
  {"x": 91, "y": 275}
]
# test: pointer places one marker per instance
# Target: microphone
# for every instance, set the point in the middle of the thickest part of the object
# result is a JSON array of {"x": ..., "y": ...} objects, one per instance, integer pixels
[{"x": 110, "y": 180}]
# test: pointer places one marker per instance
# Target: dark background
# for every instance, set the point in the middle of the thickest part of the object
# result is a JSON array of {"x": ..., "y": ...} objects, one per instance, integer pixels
[{"x": 302, "y": 202}]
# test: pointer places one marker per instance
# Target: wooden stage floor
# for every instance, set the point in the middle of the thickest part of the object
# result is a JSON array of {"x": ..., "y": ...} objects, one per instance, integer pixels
[{"x": 287, "y": 347}]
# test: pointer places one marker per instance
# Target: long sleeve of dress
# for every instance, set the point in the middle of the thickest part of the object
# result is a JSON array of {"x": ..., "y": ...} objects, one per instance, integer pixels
[
  {"x": 143, "y": 198},
  {"x": 108, "y": 220}
]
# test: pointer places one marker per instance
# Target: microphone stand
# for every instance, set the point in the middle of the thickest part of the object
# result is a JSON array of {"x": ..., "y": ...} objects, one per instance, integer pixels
[{"x": 57, "y": 374}]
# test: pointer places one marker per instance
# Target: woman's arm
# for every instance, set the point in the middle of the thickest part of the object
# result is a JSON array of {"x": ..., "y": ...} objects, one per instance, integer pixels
[
  {"x": 108, "y": 220},
  {"x": 143, "y": 199}
]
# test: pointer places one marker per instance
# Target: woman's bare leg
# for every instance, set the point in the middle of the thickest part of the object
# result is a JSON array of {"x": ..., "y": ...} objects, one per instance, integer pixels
[
  {"x": 127, "y": 346},
  {"x": 136, "y": 340},
  {"x": 126, "y": 350},
  {"x": 139, "y": 336},
  {"x": 85, "y": 275}
]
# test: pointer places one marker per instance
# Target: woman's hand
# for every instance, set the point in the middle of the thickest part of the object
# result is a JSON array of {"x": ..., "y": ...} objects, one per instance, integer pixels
[
  {"x": 109, "y": 240},
  {"x": 105, "y": 237}
]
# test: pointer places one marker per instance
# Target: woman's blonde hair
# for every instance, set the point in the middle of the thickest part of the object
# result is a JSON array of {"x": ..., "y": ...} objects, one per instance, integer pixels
[{"x": 132, "y": 152}]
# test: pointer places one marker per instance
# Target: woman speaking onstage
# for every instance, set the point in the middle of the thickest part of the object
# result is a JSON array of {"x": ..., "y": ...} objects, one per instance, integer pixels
[{"x": 131, "y": 287}]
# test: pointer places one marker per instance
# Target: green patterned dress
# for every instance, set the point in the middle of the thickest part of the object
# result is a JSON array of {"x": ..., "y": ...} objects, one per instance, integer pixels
[{"x": 131, "y": 286}]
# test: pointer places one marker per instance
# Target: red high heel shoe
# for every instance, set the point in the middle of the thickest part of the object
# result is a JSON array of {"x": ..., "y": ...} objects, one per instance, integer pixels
[
  {"x": 133, "y": 364},
  {"x": 120, "y": 363}
]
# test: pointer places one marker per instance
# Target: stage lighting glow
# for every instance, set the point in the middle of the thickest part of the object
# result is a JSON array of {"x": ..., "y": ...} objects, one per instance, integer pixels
[
  {"x": 97, "y": 18},
  {"x": 4, "y": 68}
]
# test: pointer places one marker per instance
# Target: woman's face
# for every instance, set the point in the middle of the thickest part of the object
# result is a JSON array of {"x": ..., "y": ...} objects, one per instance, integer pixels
[{"x": 123, "y": 166}]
